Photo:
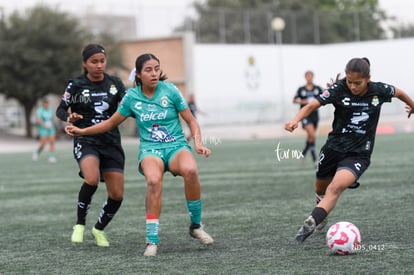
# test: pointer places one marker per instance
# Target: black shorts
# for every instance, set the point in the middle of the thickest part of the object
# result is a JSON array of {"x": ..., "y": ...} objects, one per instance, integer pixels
[
  {"x": 331, "y": 161},
  {"x": 311, "y": 119},
  {"x": 111, "y": 156}
]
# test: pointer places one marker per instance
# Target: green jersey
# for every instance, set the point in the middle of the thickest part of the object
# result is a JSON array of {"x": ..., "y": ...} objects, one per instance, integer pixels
[
  {"x": 46, "y": 115},
  {"x": 157, "y": 117},
  {"x": 95, "y": 101},
  {"x": 355, "y": 117}
]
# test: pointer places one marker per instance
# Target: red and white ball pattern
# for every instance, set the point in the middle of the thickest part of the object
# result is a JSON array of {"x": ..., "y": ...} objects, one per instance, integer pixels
[{"x": 343, "y": 238}]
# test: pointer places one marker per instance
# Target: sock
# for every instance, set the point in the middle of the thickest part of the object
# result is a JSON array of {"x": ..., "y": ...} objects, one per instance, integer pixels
[
  {"x": 110, "y": 207},
  {"x": 152, "y": 227},
  {"x": 319, "y": 214},
  {"x": 318, "y": 197},
  {"x": 306, "y": 148},
  {"x": 84, "y": 201},
  {"x": 312, "y": 150},
  {"x": 194, "y": 210}
]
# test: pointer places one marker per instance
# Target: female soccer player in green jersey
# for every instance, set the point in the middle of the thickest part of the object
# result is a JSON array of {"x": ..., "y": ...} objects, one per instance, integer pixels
[
  {"x": 157, "y": 107},
  {"x": 46, "y": 131},
  {"x": 347, "y": 152}
]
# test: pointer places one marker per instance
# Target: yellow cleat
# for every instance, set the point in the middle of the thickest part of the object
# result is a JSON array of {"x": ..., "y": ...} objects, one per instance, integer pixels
[
  {"x": 77, "y": 234},
  {"x": 100, "y": 237}
]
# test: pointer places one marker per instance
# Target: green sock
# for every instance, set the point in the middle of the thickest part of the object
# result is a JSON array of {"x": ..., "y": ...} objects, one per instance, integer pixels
[
  {"x": 152, "y": 226},
  {"x": 194, "y": 210}
]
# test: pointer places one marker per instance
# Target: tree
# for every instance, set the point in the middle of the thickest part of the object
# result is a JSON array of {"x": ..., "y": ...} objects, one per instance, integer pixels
[
  {"x": 40, "y": 51},
  {"x": 307, "y": 22}
]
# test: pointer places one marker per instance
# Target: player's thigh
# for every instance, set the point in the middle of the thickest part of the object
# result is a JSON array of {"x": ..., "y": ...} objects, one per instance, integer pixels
[
  {"x": 183, "y": 162},
  {"x": 89, "y": 166},
  {"x": 342, "y": 179},
  {"x": 114, "y": 184},
  {"x": 152, "y": 167}
]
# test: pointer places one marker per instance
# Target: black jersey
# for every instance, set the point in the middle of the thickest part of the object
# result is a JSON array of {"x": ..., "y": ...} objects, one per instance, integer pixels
[
  {"x": 303, "y": 93},
  {"x": 95, "y": 101},
  {"x": 355, "y": 117}
]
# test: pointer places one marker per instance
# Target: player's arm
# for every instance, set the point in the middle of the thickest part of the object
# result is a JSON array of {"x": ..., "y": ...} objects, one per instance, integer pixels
[
  {"x": 195, "y": 132},
  {"x": 99, "y": 128},
  {"x": 298, "y": 100},
  {"x": 303, "y": 112},
  {"x": 404, "y": 97}
]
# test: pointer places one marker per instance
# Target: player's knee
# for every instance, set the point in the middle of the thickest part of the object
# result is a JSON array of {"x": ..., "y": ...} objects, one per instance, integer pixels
[
  {"x": 117, "y": 195},
  {"x": 190, "y": 173},
  {"x": 154, "y": 181}
]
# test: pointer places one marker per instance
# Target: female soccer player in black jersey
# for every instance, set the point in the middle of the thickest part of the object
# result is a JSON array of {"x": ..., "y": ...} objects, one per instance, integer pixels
[
  {"x": 347, "y": 151},
  {"x": 303, "y": 96},
  {"x": 91, "y": 98}
]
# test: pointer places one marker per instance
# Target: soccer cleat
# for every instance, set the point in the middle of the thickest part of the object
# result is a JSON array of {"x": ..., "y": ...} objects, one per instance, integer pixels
[
  {"x": 52, "y": 160},
  {"x": 150, "y": 250},
  {"x": 100, "y": 237},
  {"x": 77, "y": 234},
  {"x": 197, "y": 232},
  {"x": 35, "y": 156},
  {"x": 306, "y": 230},
  {"x": 320, "y": 226}
]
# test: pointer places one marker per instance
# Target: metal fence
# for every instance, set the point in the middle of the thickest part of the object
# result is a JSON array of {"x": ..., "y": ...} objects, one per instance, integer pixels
[{"x": 253, "y": 26}]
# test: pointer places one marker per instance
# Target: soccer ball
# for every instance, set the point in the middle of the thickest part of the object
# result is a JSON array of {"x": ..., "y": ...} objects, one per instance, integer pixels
[{"x": 343, "y": 238}]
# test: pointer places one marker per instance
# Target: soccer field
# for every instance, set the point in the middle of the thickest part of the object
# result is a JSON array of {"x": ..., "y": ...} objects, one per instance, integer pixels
[{"x": 255, "y": 198}]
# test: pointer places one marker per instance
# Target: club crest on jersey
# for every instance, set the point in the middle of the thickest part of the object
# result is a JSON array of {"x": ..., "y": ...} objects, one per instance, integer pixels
[
  {"x": 164, "y": 101},
  {"x": 113, "y": 90},
  {"x": 375, "y": 101}
]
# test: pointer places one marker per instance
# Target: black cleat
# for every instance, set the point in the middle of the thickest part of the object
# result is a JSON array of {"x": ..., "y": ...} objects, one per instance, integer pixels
[{"x": 306, "y": 230}]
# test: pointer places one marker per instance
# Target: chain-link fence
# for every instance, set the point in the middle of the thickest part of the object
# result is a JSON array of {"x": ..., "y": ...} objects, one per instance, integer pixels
[{"x": 253, "y": 26}]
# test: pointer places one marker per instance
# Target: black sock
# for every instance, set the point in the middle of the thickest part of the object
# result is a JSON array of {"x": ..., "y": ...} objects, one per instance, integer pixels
[
  {"x": 306, "y": 148},
  {"x": 109, "y": 209},
  {"x": 319, "y": 214},
  {"x": 312, "y": 149},
  {"x": 84, "y": 201}
]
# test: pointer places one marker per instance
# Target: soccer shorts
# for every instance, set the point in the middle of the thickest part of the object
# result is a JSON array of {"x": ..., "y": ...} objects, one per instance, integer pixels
[
  {"x": 111, "y": 156},
  {"x": 46, "y": 132},
  {"x": 166, "y": 155},
  {"x": 331, "y": 161}
]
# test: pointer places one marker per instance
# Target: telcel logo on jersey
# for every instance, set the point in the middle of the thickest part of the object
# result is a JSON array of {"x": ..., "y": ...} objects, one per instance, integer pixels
[{"x": 153, "y": 116}]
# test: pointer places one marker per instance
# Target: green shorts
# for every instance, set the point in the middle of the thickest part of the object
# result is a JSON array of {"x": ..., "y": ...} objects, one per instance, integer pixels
[
  {"x": 46, "y": 132},
  {"x": 166, "y": 155}
]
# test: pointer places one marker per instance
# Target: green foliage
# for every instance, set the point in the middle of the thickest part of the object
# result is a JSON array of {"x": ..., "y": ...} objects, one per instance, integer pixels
[
  {"x": 307, "y": 22},
  {"x": 253, "y": 205},
  {"x": 41, "y": 50}
]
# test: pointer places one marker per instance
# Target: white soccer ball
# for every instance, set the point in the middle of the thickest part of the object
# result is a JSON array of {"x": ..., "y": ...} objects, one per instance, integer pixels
[{"x": 343, "y": 238}]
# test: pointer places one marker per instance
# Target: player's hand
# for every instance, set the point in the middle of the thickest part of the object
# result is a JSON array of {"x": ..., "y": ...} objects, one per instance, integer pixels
[
  {"x": 202, "y": 150},
  {"x": 291, "y": 125},
  {"x": 73, "y": 130},
  {"x": 73, "y": 117},
  {"x": 409, "y": 110}
]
